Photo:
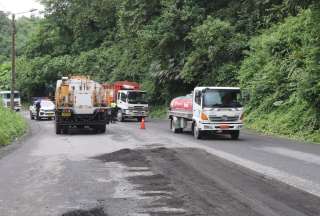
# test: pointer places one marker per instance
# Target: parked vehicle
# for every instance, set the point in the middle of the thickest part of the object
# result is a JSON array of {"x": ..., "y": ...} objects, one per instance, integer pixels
[
  {"x": 208, "y": 109},
  {"x": 47, "y": 109},
  {"x": 6, "y": 102},
  {"x": 130, "y": 101},
  {"x": 80, "y": 103}
]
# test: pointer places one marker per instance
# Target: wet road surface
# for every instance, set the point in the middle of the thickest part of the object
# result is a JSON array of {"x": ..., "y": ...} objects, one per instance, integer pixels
[{"x": 129, "y": 171}]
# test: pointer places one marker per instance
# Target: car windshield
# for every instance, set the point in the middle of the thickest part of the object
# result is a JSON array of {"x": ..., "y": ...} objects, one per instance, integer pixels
[
  {"x": 137, "y": 98},
  {"x": 47, "y": 104},
  {"x": 222, "y": 98}
]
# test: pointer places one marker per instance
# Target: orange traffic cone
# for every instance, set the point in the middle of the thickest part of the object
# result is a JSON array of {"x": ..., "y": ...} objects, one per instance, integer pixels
[{"x": 142, "y": 125}]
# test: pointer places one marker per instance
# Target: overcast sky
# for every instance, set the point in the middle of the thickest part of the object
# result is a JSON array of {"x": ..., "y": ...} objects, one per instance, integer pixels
[{"x": 17, "y": 6}]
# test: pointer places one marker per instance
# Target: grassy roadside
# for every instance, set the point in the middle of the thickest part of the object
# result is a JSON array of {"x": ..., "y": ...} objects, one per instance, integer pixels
[
  {"x": 280, "y": 124},
  {"x": 12, "y": 125},
  {"x": 158, "y": 112}
]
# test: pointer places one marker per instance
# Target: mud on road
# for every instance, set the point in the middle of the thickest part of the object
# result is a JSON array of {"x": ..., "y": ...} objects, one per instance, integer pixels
[{"x": 183, "y": 181}]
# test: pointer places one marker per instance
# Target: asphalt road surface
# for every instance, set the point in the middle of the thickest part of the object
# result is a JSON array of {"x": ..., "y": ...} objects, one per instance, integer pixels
[{"x": 129, "y": 171}]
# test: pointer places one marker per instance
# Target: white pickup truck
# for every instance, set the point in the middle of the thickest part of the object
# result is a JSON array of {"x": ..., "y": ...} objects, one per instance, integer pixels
[{"x": 208, "y": 109}]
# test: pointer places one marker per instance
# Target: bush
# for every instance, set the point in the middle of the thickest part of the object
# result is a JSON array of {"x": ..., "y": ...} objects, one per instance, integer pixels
[
  {"x": 158, "y": 112},
  {"x": 12, "y": 125},
  {"x": 281, "y": 73}
]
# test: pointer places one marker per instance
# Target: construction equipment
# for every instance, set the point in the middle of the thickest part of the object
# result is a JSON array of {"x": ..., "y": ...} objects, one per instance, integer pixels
[{"x": 80, "y": 103}]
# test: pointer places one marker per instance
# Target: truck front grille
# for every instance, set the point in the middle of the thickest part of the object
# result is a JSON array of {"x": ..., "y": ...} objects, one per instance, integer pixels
[
  {"x": 224, "y": 118},
  {"x": 139, "y": 108}
]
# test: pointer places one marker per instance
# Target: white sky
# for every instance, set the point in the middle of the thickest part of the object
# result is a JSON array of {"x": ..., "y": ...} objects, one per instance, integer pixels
[{"x": 17, "y": 6}]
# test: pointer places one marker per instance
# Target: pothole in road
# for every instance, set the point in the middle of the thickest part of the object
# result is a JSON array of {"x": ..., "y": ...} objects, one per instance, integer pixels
[
  {"x": 129, "y": 157},
  {"x": 92, "y": 212},
  {"x": 153, "y": 188}
]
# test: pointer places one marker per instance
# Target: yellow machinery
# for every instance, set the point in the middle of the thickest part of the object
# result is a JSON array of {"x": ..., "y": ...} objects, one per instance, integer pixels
[{"x": 80, "y": 103}]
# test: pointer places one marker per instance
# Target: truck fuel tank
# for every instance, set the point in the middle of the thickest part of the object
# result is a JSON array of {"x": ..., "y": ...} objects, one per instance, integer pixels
[{"x": 183, "y": 103}]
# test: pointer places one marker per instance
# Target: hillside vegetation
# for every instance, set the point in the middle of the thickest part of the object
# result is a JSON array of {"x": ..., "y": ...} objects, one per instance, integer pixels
[
  {"x": 282, "y": 74},
  {"x": 269, "y": 48},
  {"x": 12, "y": 125}
]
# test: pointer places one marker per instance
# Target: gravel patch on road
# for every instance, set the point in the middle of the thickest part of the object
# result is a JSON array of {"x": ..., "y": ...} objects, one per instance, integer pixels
[{"x": 192, "y": 182}]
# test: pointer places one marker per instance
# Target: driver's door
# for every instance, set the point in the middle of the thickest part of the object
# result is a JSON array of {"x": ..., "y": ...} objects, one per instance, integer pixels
[{"x": 197, "y": 105}]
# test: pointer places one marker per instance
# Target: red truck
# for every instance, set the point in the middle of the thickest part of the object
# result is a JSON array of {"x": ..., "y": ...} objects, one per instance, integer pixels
[{"x": 129, "y": 100}]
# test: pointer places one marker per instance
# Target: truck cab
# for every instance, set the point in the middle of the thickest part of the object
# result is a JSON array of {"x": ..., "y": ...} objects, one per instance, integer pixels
[
  {"x": 218, "y": 109},
  {"x": 6, "y": 102},
  {"x": 132, "y": 104}
]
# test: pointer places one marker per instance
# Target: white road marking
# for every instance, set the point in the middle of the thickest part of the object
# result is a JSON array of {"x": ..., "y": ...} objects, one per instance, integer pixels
[
  {"x": 166, "y": 210},
  {"x": 306, "y": 157}
]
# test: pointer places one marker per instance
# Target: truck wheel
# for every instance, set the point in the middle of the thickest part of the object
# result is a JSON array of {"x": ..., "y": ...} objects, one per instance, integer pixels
[
  {"x": 174, "y": 129},
  {"x": 58, "y": 129},
  {"x": 235, "y": 134},
  {"x": 65, "y": 129},
  {"x": 197, "y": 133},
  {"x": 103, "y": 129},
  {"x": 119, "y": 116}
]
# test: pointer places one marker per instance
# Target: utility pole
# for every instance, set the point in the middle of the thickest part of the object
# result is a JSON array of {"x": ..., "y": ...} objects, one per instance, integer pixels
[{"x": 13, "y": 58}]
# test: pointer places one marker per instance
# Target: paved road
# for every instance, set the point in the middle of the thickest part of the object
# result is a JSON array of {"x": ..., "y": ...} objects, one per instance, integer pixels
[{"x": 129, "y": 171}]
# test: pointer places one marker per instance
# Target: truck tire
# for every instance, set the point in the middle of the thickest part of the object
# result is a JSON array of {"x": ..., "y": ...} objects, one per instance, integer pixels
[
  {"x": 102, "y": 129},
  {"x": 120, "y": 116},
  {"x": 58, "y": 128},
  {"x": 235, "y": 134},
  {"x": 65, "y": 129},
  {"x": 197, "y": 133},
  {"x": 174, "y": 129}
]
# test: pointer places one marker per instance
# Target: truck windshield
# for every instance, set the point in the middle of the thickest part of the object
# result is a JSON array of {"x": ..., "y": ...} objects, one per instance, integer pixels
[
  {"x": 7, "y": 95},
  {"x": 222, "y": 98},
  {"x": 137, "y": 98}
]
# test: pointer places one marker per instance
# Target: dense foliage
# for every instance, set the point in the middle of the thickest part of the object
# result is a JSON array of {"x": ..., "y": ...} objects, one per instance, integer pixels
[
  {"x": 269, "y": 47},
  {"x": 12, "y": 125},
  {"x": 282, "y": 74}
]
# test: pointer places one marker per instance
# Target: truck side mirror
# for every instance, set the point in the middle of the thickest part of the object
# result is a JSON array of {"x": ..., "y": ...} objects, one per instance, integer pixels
[{"x": 245, "y": 96}]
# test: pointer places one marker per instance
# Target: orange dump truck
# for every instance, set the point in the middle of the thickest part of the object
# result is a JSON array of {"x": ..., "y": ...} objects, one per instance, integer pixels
[
  {"x": 130, "y": 102},
  {"x": 80, "y": 103}
]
